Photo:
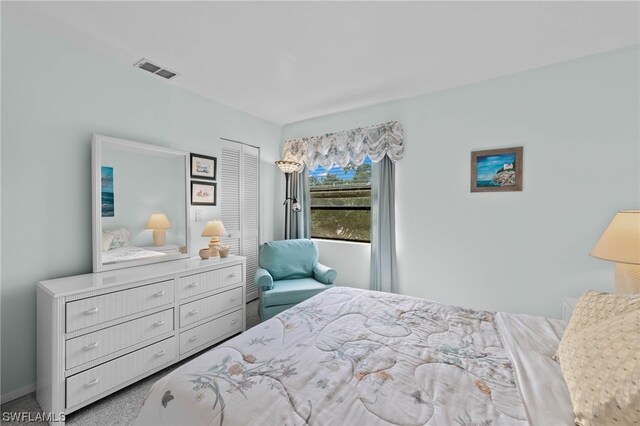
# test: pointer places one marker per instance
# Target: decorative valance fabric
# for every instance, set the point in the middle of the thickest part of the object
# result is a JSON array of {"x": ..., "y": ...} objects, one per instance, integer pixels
[{"x": 349, "y": 146}]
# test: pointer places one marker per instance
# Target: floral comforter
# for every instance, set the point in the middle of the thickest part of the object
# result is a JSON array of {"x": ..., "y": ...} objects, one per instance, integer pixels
[{"x": 349, "y": 357}]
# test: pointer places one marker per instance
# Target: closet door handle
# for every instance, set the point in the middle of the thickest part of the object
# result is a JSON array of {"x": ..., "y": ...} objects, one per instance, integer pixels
[
  {"x": 91, "y": 311},
  {"x": 159, "y": 323},
  {"x": 90, "y": 346},
  {"x": 92, "y": 382},
  {"x": 161, "y": 353},
  {"x": 159, "y": 294}
]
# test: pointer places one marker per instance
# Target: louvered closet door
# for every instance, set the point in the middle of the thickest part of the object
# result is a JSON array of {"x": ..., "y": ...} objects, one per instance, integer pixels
[
  {"x": 239, "y": 172},
  {"x": 249, "y": 243}
]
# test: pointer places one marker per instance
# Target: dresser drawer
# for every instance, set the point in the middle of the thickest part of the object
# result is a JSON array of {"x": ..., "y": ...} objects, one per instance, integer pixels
[
  {"x": 95, "y": 310},
  {"x": 203, "y": 308},
  {"x": 207, "y": 281},
  {"x": 102, "y": 378},
  {"x": 208, "y": 333},
  {"x": 92, "y": 346}
]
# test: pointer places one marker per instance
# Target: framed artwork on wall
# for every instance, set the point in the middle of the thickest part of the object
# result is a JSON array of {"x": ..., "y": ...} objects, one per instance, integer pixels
[
  {"x": 203, "y": 167},
  {"x": 203, "y": 193},
  {"x": 496, "y": 170}
]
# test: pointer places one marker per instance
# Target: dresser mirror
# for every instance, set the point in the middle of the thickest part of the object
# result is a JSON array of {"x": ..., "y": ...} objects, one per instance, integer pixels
[{"x": 139, "y": 203}]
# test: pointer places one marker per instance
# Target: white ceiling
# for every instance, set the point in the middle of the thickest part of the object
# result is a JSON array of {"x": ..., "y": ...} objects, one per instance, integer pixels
[{"x": 286, "y": 61}]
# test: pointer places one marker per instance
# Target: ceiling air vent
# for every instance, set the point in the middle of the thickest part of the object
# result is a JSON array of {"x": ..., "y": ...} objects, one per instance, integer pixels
[{"x": 143, "y": 64}]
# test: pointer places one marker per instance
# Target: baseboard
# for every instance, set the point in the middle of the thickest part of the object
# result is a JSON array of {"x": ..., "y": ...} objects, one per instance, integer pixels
[{"x": 15, "y": 394}]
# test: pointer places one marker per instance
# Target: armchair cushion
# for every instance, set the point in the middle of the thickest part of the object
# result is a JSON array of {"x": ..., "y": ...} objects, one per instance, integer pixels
[
  {"x": 289, "y": 259},
  {"x": 263, "y": 279},
  {"x": 324, "y": 274},
  {"x": 288, "y": 292}
]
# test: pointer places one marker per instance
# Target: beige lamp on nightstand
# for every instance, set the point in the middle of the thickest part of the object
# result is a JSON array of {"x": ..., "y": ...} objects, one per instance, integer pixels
[
  {"x": 214, "y": 229},
  {"x": 620, "y": 243},
  {"x": 159, "y": 223}
]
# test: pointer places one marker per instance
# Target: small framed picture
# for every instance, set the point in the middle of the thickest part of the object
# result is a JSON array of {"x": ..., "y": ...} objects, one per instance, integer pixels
[
  {"x": 496, "y": 170},
  {"x": 203, "y": 193},
  {"x": 203, "y": 167}
]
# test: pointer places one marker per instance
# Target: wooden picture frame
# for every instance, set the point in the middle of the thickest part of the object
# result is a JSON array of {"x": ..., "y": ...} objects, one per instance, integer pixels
[
  {"x": 496, "y": 170},
  {"x": 203, "y": 166},
  {"x": 203, "y": 193}
]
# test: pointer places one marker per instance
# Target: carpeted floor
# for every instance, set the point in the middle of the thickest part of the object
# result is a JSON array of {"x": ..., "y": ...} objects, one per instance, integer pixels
[{"x": 120, "y": 408}]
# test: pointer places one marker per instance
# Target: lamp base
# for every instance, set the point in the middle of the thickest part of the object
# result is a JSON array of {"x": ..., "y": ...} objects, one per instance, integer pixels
[
  {"x": 627, "y": 278},
  {"x": 159, "y": 237},
  {"x": 213, "y": 246}
]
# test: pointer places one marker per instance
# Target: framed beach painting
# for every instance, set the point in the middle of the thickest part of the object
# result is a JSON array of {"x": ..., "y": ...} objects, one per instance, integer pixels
[
  {"x": 496, "y": 170},
  {"x": 203, "y": 167},
  {"x": 203, "y": 193}
]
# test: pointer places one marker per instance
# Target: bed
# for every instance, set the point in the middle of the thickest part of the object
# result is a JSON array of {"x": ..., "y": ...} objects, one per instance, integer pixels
[{"x": 349, "y": 356}]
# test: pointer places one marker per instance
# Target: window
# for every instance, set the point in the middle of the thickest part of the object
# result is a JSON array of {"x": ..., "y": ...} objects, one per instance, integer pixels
[{"x": 341, "y": 202}]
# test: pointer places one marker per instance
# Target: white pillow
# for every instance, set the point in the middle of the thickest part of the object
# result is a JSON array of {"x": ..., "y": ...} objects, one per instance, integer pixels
[{"x": 115, "y": 238}]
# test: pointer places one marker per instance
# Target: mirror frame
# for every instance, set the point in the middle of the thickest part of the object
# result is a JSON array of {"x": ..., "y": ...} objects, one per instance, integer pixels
[{"x": 97, "y": 143}]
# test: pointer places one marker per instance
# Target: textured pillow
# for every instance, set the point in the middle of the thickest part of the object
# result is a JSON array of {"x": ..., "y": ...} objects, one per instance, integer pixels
[
  {"x": 599, "y": 359},
  {"x": 117, "y": 238},
  {"x": 593, "y": 307}
]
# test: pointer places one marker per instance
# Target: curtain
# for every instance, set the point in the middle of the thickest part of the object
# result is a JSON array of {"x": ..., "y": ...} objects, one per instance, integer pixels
[
  {"x": 301, "y": 221},
  {"x": 349, "y": 146},
  {"x": 384, "y": 268}
]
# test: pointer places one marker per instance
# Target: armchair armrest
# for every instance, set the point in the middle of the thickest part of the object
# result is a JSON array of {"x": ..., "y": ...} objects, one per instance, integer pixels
[
  {"x": 324, "y": 274},
  {"x": 263, "y": 279}
]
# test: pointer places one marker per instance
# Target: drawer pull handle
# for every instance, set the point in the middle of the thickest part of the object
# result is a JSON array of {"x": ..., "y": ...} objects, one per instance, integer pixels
[
  {"x": 232, "y": 275},
  {"x": 92, "y": 382},
  {"x": 192, "y": 285},
  {"x": 193, "y": 338},
  {"x": 159, "y": 323},
  {"x": 159, "y": 294},
  {"x": 90, "y": 346},
  {"x": 159, "y": 354},
  {"x": 195, "y": 311},
  {"x": 91, "y": 311},
  {"x": 234, "y": 321},
  {"x": 234, "y": 298}
]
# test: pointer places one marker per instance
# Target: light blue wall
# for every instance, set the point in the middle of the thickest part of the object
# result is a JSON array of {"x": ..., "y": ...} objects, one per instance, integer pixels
[
  {"x": 54, "y": 96},
  {"x": 579, "y": 123}
]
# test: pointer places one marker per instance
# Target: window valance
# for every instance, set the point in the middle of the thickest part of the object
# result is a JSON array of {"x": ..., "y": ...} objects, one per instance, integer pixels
[{"x": 349, "y": 146}]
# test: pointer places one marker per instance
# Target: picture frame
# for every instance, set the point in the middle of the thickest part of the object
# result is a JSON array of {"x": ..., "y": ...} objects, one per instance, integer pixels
[
  {"x": 203, "y": 166},
  {"x": 497, "y": 170},
  {"x": 203, "y": 193}
]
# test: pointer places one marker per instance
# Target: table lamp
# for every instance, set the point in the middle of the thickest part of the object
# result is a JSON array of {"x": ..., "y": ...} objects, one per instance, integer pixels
[
  {"x": 620, "y": 243},
  {"x": 159, "y": 223},
  {"x": 214, "y": 229}
]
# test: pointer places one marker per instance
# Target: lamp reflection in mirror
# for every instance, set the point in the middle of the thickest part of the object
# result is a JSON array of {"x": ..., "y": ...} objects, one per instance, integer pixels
[
  {"x": 214, "y": 229},
  {"x": 620, "y": 243},
  {"x": 159, "y": 223}
]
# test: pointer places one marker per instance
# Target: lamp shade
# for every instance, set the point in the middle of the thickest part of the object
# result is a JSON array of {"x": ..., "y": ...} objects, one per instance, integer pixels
[
  {"x": 620, "y": 242},
  {"x": 158, "y": 221},
  {"x": 214, "y": 228},
  {"x": 288, "y": 166}
]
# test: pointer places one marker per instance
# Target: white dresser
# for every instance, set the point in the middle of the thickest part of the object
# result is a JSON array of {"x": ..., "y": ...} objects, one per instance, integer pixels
[{"x": 98, "y": 333}]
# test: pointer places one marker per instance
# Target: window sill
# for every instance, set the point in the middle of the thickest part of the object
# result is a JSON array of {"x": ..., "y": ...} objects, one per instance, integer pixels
[{"x": 322, "y": 240}]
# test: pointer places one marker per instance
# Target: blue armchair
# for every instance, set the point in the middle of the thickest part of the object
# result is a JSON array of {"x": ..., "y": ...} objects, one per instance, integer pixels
[{"x": 288, "y": 274}]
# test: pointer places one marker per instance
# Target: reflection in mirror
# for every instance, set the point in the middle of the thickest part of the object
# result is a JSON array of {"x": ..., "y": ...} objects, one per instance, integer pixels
[{"x": 139, "y": 203}]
